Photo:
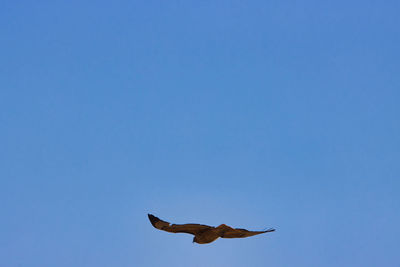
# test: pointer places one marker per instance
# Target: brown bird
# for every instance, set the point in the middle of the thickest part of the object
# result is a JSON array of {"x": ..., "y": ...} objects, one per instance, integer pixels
[{"x": 204, "y": 234}]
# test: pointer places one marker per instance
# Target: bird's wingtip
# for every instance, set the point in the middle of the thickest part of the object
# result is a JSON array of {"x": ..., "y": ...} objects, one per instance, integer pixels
[{"x": 153, "y": 219}]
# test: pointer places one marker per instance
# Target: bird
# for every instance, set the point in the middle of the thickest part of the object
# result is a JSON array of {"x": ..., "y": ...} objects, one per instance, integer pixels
[{"x": 204, "y": 234}]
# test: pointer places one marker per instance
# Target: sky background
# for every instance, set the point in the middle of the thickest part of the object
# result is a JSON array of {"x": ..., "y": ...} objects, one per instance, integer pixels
[{"x": 255, "y": 114}]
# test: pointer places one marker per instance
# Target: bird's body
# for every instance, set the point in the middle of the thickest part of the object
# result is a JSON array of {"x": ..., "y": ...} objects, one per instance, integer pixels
[{"x": 204, "y": 234}]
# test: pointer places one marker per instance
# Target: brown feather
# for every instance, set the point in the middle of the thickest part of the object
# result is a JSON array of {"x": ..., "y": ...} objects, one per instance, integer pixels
[{"x": 189, "y": 228}]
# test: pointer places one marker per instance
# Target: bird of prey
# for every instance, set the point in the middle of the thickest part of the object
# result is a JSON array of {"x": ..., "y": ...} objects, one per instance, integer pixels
[{"x": 204, "y": 234}]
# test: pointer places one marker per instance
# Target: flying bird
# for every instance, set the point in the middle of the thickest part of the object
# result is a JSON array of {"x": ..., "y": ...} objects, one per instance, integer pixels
[{"x": 204, "y": 234}]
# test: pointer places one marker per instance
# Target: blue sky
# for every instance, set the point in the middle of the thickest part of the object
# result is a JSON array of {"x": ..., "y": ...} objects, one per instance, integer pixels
[{"x": 255, "y": 114}]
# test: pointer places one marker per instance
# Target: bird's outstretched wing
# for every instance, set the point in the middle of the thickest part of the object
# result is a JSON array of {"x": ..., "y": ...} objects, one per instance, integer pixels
[
  {"x": 178, "y": 228},
  {"x": 229, "y": 232}
]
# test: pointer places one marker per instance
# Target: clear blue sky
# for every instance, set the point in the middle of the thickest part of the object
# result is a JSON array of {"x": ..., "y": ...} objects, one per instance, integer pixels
[{"x": 255, "y": 114}]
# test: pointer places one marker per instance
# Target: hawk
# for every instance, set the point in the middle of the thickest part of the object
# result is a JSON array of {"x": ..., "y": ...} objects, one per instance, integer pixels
[{"x": 204, "y": 234}]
